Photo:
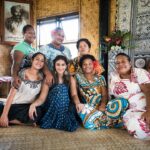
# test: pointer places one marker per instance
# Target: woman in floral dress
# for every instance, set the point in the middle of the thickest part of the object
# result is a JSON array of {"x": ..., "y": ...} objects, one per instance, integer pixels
[{"x": 132, "y": 84}]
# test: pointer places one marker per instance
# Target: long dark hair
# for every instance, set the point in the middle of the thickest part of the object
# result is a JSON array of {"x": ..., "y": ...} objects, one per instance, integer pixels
[{"x": 66, "y": 75}]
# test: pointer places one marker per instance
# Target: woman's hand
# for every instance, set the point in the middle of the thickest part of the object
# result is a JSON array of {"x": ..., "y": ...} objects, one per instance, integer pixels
[
  {"x": 4, "y": 122},
  {"x": 79, "y": 107},
  {"x": 49, "y": 78},
  {"x": 146, "y": 117},
  {"x": 32, "y": 111},
  {"x": 16, "y": 82},
  {"x": 146, "y": 90},
  {"x": 102, "y": 107}
]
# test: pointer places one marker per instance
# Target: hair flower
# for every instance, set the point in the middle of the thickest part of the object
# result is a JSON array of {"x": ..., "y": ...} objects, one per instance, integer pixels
[{"x": 98, "y": 68}]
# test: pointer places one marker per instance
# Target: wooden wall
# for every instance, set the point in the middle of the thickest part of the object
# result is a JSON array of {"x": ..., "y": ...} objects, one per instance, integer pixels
[
  {"x": 89, "y": 23},
  {"x": 47, "y": 8},
  {"x": 112, "y": 19},
  {"x": 5, "y": 60}
]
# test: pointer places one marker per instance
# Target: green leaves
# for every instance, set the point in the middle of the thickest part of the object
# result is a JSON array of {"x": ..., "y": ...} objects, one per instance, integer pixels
[{"x": 118, "y": 38}]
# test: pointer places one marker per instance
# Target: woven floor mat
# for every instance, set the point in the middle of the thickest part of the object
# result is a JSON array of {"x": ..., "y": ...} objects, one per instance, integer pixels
[{"x": 30, "y": 138}]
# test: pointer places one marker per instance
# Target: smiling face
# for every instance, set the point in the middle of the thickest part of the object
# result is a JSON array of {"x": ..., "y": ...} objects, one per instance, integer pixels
[
  {"x": 123, "y": 65},
  {"x": 38, "y": 62},
  {"x": 29, "y": 35},
  {"x": 60, "y": 66},
  {"x": 83, "y": 48},
  {"x": 87, "y": 66},
  {"x": 58, "y": 37}
]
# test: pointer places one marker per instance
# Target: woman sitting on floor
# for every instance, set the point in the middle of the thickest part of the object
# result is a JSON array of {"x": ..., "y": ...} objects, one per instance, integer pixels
[
  {"x": 57, "y": 113},
  {"x": 134, "y": 85},
  {"x": 16, "y": 109},
  {"x": 92, "y": 87}
]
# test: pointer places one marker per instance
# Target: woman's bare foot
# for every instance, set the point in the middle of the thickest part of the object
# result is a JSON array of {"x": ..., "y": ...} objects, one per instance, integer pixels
[
  {"x": 17, "y": 122},
  {"x": 34, "y": 124}
]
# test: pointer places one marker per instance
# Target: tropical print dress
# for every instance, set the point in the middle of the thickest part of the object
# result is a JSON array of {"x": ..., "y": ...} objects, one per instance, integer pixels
[
  {"x": 130, "y": 89},
  {"x": 91, "y": 94},
  {"x": 74, "y": 66}
]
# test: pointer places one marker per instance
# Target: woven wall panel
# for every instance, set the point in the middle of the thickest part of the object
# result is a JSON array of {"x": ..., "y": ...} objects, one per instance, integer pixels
[
  {"x": 113, "y": 10},
  {"x": 46, "y": 8},
  {"x": 89, "y": 23},
  {"x": 5, "y": 61}
]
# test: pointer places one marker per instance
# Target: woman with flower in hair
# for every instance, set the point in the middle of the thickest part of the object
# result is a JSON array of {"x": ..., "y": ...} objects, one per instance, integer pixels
[
  {"x": 92, "y": 107},
  {"x": 83, "y": 45}
]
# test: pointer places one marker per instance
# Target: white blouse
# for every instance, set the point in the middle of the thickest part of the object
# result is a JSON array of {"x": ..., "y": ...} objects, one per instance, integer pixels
[
  {"x": 125, "y": 87},
  {"x": 28, "y": 90}
]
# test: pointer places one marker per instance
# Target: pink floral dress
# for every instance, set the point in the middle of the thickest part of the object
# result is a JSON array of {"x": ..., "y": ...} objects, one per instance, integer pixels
[{"x": 130, "y": 89}]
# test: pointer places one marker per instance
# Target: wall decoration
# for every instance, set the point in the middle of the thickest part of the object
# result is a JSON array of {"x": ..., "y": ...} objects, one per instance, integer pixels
[
  {"x": 16, "y": 14},
  {"x": 134, "y": 16}
]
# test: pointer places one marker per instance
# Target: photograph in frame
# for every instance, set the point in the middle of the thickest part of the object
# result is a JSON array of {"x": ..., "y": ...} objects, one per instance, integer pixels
[{"x": 16, "y": 16}]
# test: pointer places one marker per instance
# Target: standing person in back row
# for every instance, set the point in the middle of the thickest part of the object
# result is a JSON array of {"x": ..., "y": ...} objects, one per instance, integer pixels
[
  {"x": 21, "y": 55},
  {"x": 55, "y": 48}
]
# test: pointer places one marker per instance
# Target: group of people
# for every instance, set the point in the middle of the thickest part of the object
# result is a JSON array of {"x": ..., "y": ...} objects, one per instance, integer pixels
[{"x": 53, "y": 91}]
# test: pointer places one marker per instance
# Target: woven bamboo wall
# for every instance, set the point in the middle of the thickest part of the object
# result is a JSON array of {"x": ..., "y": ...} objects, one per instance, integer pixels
[
  {"x": 89, "y": 23},
  {"x": 112, "y": 15},
  {"x": 4, "y": 54},
  {"x": 5, "y": 61},
  {"x": 46, "y": 8}
]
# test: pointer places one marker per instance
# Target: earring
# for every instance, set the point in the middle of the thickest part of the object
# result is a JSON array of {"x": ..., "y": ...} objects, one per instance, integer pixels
[{"x": 66, "y": 72}]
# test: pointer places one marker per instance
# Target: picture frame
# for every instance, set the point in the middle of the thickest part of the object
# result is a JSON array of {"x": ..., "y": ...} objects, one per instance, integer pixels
[{"x": 15, "y": 15}]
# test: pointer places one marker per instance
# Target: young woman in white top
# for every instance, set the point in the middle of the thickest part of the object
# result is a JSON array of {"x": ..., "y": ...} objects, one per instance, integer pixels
[{"x": 16, "y": 109}]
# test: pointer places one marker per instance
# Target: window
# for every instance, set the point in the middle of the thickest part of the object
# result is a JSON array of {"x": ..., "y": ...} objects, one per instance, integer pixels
[{"x": 70, "y": 25}]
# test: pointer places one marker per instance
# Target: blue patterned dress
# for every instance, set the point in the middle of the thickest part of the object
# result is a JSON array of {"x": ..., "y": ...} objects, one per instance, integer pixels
[{"x": 57, "y": 113}]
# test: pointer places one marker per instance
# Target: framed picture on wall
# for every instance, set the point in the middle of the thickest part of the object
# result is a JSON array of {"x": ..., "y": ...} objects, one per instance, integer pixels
[{"x": 16, "y": 14}]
